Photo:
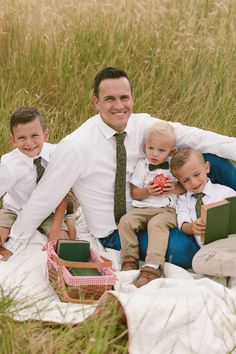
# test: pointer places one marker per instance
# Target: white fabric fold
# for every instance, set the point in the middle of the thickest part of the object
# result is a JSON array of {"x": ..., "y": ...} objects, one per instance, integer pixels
[{"x": 177, "y": 314}]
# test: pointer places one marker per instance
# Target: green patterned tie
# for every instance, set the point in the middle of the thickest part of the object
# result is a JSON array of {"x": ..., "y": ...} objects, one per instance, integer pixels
[
  {"x": 199, "y": 203},
  {"x": 120, "y": 179},
  {"x": 39, "y": 168}
]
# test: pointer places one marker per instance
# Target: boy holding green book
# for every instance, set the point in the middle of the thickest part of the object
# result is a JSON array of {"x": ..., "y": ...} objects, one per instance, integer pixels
[{"x": 190, "y": 168}]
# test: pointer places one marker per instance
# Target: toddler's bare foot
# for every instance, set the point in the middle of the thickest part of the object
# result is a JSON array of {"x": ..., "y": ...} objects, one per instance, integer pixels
[{"x": 5, "y": 254}]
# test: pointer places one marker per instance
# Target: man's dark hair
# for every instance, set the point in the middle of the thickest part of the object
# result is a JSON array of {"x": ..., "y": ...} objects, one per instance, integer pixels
[
  {"x": 108, "y": 73},
  {"x": 25, "y": 115}
]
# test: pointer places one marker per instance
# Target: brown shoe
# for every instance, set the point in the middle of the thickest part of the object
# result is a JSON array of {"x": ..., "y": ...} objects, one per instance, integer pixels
[
  {"x": 129, "y": 265},
  {"x": 148, "y": 274}
]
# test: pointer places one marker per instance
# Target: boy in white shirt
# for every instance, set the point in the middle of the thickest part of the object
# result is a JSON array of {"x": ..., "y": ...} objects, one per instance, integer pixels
[
  {"x": 190, "y": 168},
  {"x": 20, "y": 171},
  {"x": 154, "y": 205}
]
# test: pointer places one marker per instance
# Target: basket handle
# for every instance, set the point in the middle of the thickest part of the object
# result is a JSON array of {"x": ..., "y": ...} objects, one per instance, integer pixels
[{"x": 105, "y": 264}]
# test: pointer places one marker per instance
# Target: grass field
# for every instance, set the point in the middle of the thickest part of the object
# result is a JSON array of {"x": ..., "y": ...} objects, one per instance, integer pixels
[{"x": 181, "y": 57}]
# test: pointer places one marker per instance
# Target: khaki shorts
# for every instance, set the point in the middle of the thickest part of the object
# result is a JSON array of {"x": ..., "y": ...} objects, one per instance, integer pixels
[
  {"x": 8, "y": 217},
  {"x": 218, "y": 258}
]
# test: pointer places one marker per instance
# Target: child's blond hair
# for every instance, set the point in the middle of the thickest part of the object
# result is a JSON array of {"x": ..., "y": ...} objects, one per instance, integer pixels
[
  {"x": 162, "y": 129},
  {"x": 183, "y": 155}
]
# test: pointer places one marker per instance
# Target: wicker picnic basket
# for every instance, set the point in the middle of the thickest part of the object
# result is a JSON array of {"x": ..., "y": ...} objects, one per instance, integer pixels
[{"x": 79, "y": 289}]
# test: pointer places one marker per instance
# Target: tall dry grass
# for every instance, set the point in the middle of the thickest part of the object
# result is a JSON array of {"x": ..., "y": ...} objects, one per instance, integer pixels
[
  {"x": 180, "y": 54},
  {"x": 181, "y": 57},
  {"x": 97, "y": 335}
]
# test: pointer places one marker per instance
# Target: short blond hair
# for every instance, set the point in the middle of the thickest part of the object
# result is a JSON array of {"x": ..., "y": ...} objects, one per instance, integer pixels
[
  {"x": 183, "y": 155},
  {"x": 162, "y": 129}
]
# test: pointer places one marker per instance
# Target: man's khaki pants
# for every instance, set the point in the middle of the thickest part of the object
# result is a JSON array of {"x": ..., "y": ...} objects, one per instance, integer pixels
[
  {"x": 217, "y": 258},
  {"x": 158, "y": 222}
]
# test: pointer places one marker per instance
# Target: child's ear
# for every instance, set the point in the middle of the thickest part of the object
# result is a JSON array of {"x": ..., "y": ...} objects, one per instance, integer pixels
[
  {"x": 13, "y": 141},
  {"x": 207, "y": 166},
  {"x": 46, "y": 135},
  {"x": 173, "y": 151}
]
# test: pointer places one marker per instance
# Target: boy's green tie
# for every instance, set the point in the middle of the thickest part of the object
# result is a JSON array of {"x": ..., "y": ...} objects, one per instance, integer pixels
[
  {"x": 120, "y": 179},
  {"x": 39, "y": 168},
  {"x": 199, "y": 203}
]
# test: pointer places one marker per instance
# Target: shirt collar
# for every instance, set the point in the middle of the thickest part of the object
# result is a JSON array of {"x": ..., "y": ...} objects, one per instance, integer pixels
[
  {"x": 30, "y": 161},
  {"x": 107, "y": 131},
  {"x": 147, "y": 162},
  {"x": 45, "y": 153},
  {"x": 207, "y": 190}
]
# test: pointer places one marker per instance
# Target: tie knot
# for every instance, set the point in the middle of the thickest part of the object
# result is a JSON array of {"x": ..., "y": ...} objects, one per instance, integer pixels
[
  {"x": 199, "y": 196},
  {"x": 120, "y": 137},
  {"x": 37, "y": 161}
]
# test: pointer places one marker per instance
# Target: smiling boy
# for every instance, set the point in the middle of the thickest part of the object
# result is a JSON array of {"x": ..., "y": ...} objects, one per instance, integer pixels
[
  {"x": 28, "y": 132},
  {"x": 23, "y": 167},
  {"x": 190, "y": 168}
]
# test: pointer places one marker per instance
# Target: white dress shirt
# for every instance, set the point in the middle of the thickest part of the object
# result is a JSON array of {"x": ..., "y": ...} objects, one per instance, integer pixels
[
  {"x": 18, "y": 176},
  {"x": 186, "y": 202},
  {"x": 86, "y": 161},
  {"x": 142, "y": 177}
]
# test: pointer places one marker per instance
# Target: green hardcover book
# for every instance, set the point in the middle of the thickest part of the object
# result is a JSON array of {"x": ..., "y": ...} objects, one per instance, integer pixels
[
  {"x": 216, "y": 217},
  {"x": 232, "y": 216},
  {"x": 84, "y": 271},
  {"x": 73, "y": 250}
]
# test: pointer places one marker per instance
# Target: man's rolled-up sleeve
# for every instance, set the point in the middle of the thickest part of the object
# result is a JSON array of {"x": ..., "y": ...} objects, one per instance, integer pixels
[
  {"x": 58, "y": 178},
  {"x": 205, "y": 141}
]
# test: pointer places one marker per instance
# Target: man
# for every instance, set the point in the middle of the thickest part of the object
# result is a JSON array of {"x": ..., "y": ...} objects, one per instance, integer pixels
[{"x": 86, "y": 161}]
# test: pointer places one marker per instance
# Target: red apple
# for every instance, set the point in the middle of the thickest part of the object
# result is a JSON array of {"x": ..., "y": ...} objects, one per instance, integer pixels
[{"x": 160, "y": 180}]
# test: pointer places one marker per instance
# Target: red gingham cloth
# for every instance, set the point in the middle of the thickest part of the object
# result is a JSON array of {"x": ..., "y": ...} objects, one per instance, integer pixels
[{"x": 107, "y": 277}]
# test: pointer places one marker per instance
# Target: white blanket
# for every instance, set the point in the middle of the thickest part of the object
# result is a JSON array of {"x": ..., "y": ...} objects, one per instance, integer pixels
[
  {"x": 177, "y": 314},
  {"x": 180, "y": 316}
]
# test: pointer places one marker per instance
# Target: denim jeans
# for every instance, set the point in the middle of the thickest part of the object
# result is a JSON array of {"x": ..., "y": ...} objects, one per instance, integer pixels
[
  {"x": 180, "y": 251},
  {"x": 182, "y": 248}
]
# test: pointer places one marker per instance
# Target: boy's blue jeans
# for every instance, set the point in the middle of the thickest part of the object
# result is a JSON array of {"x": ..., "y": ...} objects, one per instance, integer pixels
[{"x": 182, "y": 248}]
